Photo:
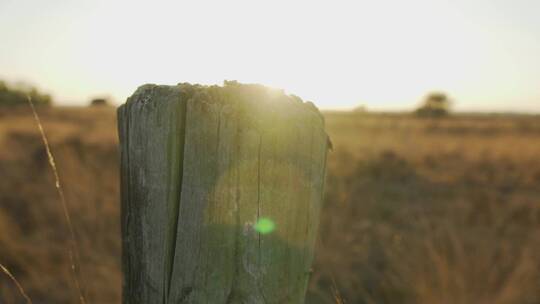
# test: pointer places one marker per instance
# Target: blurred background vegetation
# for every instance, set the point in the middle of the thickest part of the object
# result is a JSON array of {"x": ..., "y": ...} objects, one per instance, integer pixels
[
  {"x": 435, "y": 104},
  {"x": 16, "y": 95},
  {"x": 416, "y": 211}
]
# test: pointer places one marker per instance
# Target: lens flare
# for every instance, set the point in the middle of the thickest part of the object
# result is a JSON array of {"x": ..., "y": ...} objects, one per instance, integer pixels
[{"x": 265, "y": 226}]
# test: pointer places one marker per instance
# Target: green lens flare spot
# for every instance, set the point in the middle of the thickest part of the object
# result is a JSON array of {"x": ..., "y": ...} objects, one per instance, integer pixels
[{"x": 265, "y": 226}]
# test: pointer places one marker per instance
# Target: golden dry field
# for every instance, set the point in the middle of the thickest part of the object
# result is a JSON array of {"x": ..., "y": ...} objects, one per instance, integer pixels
[{"x": 418, "y": 210}]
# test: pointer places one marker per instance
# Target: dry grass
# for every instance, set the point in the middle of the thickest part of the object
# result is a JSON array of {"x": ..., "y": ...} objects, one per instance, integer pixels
[
  {"x": 417, "y": 211},
  {"x": 33, "y": 235},
  {"x": 432, "y": 211}
]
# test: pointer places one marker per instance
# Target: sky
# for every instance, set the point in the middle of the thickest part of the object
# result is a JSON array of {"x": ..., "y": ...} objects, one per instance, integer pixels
[{"x": 385, "y": 55}]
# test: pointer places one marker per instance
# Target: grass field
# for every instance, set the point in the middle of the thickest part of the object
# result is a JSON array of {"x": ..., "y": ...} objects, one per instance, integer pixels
[{"x": 417, "y": 210}]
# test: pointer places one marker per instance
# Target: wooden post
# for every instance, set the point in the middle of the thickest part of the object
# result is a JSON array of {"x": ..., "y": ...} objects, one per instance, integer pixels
[{"x": 221, "y": 193}]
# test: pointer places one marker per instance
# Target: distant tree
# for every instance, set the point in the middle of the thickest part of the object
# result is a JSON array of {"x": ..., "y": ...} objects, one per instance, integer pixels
[
  {"x": 96, "y": 102},
  {"x": 231, "y": 83},
  {"x": 360, "y": 109},
  {"x": 12, "y": 96},
  {"x": 435, "y": 104}
]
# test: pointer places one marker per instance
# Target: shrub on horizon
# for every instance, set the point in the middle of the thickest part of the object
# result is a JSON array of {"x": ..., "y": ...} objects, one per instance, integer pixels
[
  {"x": 18, "y": 95},
  {"x": 436, "y": 104}
]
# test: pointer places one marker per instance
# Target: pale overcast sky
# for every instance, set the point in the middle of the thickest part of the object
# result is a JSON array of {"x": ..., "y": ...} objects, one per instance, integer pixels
[{"x": 385, "y": 54}]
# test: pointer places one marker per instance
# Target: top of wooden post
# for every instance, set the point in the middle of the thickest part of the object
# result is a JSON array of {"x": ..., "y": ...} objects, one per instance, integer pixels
[{"x": 254, "y": 98}]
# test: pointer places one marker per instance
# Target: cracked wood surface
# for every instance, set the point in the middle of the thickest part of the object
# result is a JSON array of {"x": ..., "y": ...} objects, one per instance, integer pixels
[{"x": 200, "y": 166}]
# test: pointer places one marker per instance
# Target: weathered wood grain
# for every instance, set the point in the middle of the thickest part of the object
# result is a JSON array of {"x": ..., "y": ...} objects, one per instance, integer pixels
[{"x": 200, "y": 167}]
